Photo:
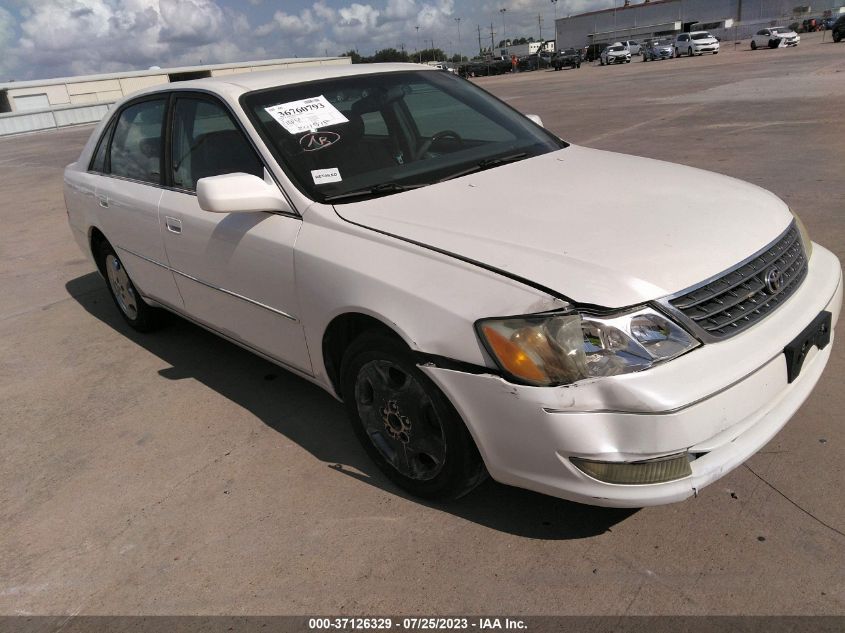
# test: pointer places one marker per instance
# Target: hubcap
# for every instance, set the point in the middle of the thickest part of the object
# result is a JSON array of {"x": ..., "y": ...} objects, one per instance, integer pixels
[
  {"x": 123, "y": 290},
  {"x": 400, "y": 420}
]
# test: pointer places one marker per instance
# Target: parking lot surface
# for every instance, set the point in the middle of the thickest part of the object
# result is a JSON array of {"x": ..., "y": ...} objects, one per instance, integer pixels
[{"x": 174, "y": 473}]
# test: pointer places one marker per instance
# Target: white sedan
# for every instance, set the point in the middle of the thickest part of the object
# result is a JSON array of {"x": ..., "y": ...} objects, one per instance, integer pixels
[
  {"x": 454, "y": 274},
  {"x": 615, "y": 54},
  {"x": 775, "y": 37},
  {"x": 696, "y": 43}
]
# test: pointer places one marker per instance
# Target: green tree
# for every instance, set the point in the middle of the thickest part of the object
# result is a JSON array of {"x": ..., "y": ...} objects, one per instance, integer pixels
[
  {"x": 389, "y": 55},
  {"x": 356, "y": 58}
]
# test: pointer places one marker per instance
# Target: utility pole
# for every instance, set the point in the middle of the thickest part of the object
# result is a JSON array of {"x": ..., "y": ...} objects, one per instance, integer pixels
[
  {"x": 479, "y": 38},
  {"x": 554, "y": 4},
  {"x": 418, "y": 43},
  {"x": 460, "y": 52},
  {"x": 540, "y": 24},
  {"x": 492, "y": 41}
]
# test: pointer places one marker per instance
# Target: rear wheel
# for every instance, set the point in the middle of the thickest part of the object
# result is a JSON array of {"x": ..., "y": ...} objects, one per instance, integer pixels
[
  {"x": 405, "y": 423},
  {"x": 677, "y": 53},
  {"x": 135, "y": 311}
]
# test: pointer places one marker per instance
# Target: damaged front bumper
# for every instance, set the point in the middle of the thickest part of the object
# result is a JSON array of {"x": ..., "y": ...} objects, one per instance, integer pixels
[{"x": 715, "y": 407}]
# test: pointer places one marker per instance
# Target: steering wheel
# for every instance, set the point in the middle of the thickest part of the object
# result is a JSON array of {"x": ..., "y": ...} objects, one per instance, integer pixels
[{"x": 436, "y": 137}]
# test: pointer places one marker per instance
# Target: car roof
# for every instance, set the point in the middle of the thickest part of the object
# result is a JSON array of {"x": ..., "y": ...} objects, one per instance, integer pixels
[{"x": 235, "y": 85}]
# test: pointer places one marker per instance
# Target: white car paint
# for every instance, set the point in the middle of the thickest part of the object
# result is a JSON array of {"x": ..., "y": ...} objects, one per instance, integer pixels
[
  {"x": 696, "y": 43},
  {"x": 429, "y": 263},
  {"x": 615, "y": 54},
  {"x": 782, "y": 34}
]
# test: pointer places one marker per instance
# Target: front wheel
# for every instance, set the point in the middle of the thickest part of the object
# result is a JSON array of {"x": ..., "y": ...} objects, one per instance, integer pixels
[
  {"x": 753, "y": 45},
  {"x": 135, "y": 311},
  {"x": 689, "y": 51},
  {"x": 405, "y": 423},
  {"x": 837, "y": 36},
  {"x": 677, "y": 53}
]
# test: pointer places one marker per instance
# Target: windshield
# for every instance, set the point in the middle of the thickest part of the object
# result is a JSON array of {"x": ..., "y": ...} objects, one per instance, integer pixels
[
  {"x": 701, "y": 36},
  {"x": 376, "y": 134}
]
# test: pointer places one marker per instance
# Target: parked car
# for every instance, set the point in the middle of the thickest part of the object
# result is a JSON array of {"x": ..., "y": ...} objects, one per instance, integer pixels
[
  {"x": 593, "y": 52},
  {"x": 633, "y": 47},
  {"x": 532, "y": 62},
  {"x": 366, "y": 227},
  {"x": 775, "y": 37},
  {"x": 657, "y": 50},
  {"x": 838, "y": 29},
  {"x": 615, "y": 54},
  {"x": 696, "y": 43},
  {"x": 827, "y": 23},
  {"x": 567, "y": 58}
]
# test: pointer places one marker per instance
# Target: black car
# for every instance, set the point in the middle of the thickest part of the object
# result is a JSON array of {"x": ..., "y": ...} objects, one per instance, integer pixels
[
  {"x": 838, "y": 29},
  {"x": 567, "y": 58}
]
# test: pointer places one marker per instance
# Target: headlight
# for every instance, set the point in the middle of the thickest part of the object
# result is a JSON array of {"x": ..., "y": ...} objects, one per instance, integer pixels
[
  {"x": 555, "y": 349},
  {"x": 805, "y": 237}
]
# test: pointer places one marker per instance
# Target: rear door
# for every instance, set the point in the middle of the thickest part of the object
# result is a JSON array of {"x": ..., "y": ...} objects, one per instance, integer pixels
[
  {"x": 128, "y": 191},
  {"x": 234, "y": 270}
]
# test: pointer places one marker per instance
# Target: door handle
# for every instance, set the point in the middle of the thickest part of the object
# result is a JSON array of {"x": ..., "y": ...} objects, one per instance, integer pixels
[
  {"x": 103, "y": 200},
  {"x": 173, "y": 225}
]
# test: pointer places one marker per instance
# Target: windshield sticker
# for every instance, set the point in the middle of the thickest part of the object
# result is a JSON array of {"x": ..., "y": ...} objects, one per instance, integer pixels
[
  {"x": 313, "y": 141},
  {"x": 306, "y": 115},
  {"x": 323, "y": 176}
]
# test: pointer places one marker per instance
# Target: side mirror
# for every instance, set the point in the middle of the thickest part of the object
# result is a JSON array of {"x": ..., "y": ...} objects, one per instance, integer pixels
[
  {"x": 536, "y": 118},
  {"x": 239, "y": 193}
]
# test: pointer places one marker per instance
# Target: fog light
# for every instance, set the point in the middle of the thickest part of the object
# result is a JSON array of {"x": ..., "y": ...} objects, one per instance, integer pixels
[{"x": 652, "y": 471}]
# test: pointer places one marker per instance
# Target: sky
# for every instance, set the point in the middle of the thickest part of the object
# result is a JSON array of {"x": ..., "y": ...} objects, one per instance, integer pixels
[{"x": 56, "y": 38}]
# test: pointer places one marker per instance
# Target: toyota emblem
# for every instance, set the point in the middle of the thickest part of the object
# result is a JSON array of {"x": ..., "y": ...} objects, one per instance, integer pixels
[{"x": 774, "y": 280}]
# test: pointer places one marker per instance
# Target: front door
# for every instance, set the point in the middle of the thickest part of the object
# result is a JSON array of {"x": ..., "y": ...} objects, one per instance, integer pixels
[{"x": 235, "y": 271}]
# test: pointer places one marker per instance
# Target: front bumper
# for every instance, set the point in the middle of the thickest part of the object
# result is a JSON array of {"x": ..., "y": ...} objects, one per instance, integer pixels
[{"x": 721, "y": 402}]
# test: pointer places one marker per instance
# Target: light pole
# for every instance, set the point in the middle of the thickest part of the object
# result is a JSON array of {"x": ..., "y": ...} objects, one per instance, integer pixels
[
  {"x": 504, "y": 37},
  {"x": 554, "y": 4},
  {"x": 419, "y": 52},
  {"x": 460, "y": 52}
]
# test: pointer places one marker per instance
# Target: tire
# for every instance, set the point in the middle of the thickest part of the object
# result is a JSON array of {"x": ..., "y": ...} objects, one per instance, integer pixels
[
  {"x": 135, "y": 311},
  {"x": 601, "y": 62},
  {"x": 677, "y": 53},
  {"x": 689, "y": 51},
  {"x": 837, "y": 36},
  {"x": 753, "y": 45},
  {"x": 405, "y": 423}
]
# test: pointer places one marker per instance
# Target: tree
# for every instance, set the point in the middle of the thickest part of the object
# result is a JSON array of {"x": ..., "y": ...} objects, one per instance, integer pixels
[
  {"x": 429, "y": 55},
  {"x": 389, "y": 55},
  {"x": 356, "y": 58},
  {"x": 456, "y": 59}
]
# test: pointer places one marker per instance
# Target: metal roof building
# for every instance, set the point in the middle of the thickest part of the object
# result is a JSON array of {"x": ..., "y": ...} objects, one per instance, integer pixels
[{"x": 655, "y": 18}]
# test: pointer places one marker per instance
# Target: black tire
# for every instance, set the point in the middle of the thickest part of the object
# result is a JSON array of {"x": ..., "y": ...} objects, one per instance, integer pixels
[
  {"x": 135, "y": 311},
  {"x": 689, "y": 52},
  {"x": 753, "y": 45},
  {"x": 837, "y": 36},
  {"x": 393, "y": 405},
  {"x": 677, "y": 53}
]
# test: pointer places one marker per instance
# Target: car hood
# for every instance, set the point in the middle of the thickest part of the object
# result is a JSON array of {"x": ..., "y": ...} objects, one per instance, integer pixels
[
  {"x": 706, "y": 40},
  {"x": 597, "y": 227}
]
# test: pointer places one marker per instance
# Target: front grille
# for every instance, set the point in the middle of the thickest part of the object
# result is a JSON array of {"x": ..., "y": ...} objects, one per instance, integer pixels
[{"x": 741, "y": 297}]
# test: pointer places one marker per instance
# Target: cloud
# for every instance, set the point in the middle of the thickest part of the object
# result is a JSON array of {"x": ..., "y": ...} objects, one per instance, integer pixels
[{"x": 62, "y": 37}]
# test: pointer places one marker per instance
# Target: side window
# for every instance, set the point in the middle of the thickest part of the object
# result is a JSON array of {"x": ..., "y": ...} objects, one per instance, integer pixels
[
  {"x": 98, "y": 163},
  {"x": 206, "y": 142},
  {"x": 136, "y": 146}
]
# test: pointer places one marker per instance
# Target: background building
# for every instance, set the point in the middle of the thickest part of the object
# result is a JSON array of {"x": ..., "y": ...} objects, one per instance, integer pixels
[
  {"x": 729, "y": 19},
  {"x": 26, "y": 106}
]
